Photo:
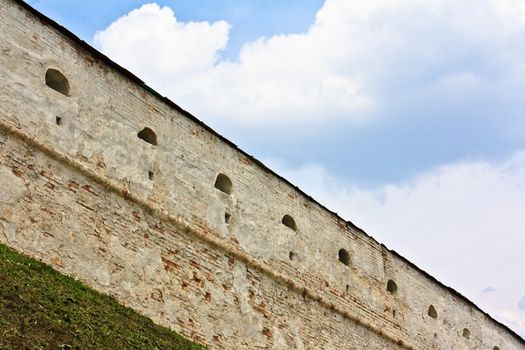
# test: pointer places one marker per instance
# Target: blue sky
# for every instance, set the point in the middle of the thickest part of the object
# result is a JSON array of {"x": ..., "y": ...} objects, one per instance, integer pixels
[
  {"x": 250, "y": 19},
  {"x": 414, "y": 133},
  {"x": 405, "y": 117}
]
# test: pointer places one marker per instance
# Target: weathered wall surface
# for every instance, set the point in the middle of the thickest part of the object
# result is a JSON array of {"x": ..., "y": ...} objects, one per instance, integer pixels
[
  {"x": 73, "y": 223},
  {"x": 144, "y": 223}
]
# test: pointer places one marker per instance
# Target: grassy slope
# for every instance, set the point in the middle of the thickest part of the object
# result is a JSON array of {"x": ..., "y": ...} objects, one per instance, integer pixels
[{"x": 43, "y": 309}]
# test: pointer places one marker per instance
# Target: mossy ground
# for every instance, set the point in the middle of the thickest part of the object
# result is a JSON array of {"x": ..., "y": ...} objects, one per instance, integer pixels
[{"x": 43, "y": 309}]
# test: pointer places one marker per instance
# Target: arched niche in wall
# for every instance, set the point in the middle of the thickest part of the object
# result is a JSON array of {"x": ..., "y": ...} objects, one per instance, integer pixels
[
  {"x": 57, "y": 81},
  {"x": 223, "y": 183},
  {"x": 391, "y": 287},
  {"x": 148, "y": 136},
  {"x": 466, "y": 333},
  {"x": 289, "y": 222},
  {"x": 344, "y": 256},
  {"x": 432, "y": 312}
]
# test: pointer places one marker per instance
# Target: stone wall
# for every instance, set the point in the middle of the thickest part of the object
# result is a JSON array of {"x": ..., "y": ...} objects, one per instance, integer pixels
[{"x": 146, "y": 223}]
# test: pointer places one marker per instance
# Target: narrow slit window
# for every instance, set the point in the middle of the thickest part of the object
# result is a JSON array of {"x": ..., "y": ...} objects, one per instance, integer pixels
[
  {"x": 57, "y": 81},
  {"x": 223, "y": 183},
  {"x": 58, "y": 121},
  {"x": 227, "y": 217},
  {"x": 432, "y": 311},
  {"x": 289, "y": 222},
  {"x": 344, "y": 256},
  {"x": 148, "y": 136},
  {"x": 151, "y": 175},
  {"x": 292, "y": 256},
  {"x": 391, "y": 287}
]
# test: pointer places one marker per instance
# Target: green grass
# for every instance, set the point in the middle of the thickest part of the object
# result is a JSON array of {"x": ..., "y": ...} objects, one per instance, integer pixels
[{"x": 43, "y": 309}]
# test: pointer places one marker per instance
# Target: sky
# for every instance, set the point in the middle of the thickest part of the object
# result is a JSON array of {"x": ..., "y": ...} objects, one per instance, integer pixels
[{"x": 405, "y": 117}]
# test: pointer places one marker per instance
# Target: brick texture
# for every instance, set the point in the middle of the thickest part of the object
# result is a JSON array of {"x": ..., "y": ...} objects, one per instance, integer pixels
[{"x": 145, "y": 223}]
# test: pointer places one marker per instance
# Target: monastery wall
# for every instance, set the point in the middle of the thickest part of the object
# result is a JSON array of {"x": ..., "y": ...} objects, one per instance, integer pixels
[{"x": 153, "y": 220}]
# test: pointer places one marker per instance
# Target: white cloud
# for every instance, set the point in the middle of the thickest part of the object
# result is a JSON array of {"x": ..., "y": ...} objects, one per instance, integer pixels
[
  {"x": 171, "y": 54},
  {"x": 355, "y": 57},
  {"x": 462, "y": 223},
  {"x": 285, "y": 77}
]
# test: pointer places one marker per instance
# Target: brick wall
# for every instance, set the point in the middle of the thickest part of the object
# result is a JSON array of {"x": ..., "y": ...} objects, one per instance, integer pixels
[{"x": 146, "y": 224}]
